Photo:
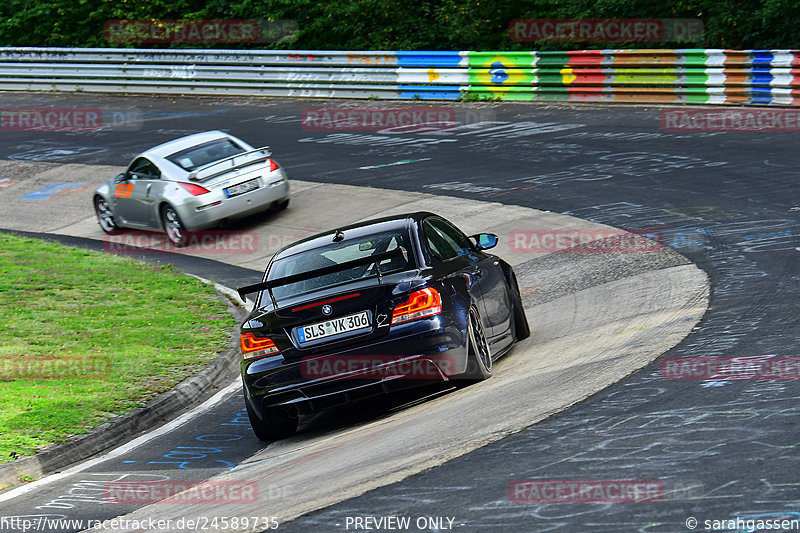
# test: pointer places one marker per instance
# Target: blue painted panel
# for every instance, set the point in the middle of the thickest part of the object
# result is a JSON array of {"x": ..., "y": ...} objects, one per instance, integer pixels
[
  {"x": 427, "y": 92},
  {"x": 428, "y": 59},
  {"x": 762, "y": 58}
]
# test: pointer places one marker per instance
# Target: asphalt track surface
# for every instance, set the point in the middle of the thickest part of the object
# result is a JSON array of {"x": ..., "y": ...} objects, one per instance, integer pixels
[{"x": 722, "y": 449}]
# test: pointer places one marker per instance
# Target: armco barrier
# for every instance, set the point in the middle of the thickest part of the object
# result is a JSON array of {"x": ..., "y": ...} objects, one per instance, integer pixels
[{"x": 697, "y": 76}]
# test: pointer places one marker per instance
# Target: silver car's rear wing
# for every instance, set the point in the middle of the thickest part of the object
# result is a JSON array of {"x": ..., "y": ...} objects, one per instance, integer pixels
[
  {"x": 205, "y": 172},
  {"x": 280, "y": 282}
]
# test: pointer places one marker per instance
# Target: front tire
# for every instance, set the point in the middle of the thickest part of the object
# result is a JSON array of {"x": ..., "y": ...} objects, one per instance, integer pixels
[
  {"x": 479, "y": 355},
  {"x": 173, "y": 226},
  {"x": 271, "y": 430},
  {"x": 105, "y": 217}
]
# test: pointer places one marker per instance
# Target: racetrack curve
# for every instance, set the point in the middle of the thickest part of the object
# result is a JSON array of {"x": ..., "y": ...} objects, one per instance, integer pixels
[
  {"x": 614, "y": 166},
  {"x": 583, "y": 341}
]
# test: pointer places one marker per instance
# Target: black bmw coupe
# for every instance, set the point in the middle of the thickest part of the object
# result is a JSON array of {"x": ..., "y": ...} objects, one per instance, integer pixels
[{"x": 372, "y": 308}]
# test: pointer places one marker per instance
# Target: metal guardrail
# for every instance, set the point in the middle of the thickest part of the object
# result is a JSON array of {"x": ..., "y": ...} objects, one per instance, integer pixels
[{"x": 700, "y": 76}]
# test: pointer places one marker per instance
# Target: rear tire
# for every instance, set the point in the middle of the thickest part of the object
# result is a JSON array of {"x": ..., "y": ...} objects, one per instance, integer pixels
[
  {"x": 173, "y": 226},
  {"x": 271, "y": 430},
  {"x": 479, "y": 355},
  {"x": 281, "y": 206}
]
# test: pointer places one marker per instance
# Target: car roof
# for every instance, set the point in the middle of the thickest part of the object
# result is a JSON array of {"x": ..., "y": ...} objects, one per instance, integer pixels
[
  {"x": 171, "y": 171},
  {"x": 357, "y": 230},
  {"x": 163, "y": 150}
]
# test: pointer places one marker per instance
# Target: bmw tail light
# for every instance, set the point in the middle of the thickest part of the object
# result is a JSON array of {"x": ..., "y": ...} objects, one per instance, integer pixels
[
  {"x": 193, "y": 189},
  {"x": 273, "y": 166},
  {"x": 253, "y": 346},
  {"x": 420, "y": 304}
]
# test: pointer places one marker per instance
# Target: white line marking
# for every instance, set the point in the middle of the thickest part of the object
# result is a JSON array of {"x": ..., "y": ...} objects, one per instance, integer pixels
[
  {"x": 247, "y": 304},
  {"x": 403, "y": 162}
]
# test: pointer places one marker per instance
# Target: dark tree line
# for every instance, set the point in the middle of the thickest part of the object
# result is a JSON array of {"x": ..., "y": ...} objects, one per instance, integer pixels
[{"x": 401, "y": 24}]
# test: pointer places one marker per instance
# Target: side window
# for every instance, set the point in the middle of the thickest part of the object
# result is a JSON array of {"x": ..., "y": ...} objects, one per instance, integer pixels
[
  {"x": 145, "y": 169},
  {"x": 444, "y": 240}
]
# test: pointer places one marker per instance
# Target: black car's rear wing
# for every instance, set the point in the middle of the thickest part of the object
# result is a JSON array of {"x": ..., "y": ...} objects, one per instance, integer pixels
[{"x": 280, "y": 282}]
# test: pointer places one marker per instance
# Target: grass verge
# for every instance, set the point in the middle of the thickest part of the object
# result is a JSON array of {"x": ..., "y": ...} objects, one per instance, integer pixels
[{"x": 87, "y": 336}]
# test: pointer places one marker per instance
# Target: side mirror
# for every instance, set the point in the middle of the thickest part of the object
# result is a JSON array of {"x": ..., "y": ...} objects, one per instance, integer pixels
[{"x": 484, "y": 241}]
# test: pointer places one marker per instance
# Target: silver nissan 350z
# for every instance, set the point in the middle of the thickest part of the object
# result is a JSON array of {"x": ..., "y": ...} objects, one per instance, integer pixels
[{"x": 191, "y": 184}]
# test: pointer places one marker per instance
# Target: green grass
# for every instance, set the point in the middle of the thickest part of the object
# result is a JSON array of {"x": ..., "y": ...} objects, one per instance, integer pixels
[
  {"x": 85, "y": 336},
  {"x": 477, "y": 97}
]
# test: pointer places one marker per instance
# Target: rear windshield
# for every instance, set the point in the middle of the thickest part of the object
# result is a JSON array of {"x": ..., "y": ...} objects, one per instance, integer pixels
[
  {"x": 203, "y": 154},
  {"x": 337, "y": 253}
]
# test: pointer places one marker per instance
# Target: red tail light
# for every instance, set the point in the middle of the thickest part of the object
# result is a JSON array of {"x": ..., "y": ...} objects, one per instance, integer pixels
[
  {"x": 426, "y": 302},
  {"x": 273, "y": 166},
  {"x": 193, "y": 189},
  {"x": 253, "y": 346}
]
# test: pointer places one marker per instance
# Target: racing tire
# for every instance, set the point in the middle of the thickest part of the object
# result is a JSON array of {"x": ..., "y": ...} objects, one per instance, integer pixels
[
  {"x": 173, "y": 226},
  {"x": 105, "y": 217},
  {"x": 271, "y": 430},
  {"x": 479, "y": 355}
]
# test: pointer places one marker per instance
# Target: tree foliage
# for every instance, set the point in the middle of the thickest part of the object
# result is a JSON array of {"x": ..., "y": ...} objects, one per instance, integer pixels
[{"x": 401, "y": 24}]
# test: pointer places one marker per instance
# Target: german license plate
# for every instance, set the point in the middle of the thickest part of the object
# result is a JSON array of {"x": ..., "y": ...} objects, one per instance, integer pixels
[
  {"x": 334, "y": 326},
  {"x": 241, "y": 188}
]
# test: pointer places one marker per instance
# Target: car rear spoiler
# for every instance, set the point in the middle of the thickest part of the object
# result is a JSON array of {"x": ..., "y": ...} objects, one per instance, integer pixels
[
  {"x": 193, "y": 175},
  {"x": 271, "y": 284}
]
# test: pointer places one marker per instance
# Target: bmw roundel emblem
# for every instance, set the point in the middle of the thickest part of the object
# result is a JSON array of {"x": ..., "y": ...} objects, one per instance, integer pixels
[{"x": 326, "y": 309}]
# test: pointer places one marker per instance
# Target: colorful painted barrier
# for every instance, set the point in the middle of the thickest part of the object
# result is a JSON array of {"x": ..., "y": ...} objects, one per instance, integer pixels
[{"x": 697, "y": 76}]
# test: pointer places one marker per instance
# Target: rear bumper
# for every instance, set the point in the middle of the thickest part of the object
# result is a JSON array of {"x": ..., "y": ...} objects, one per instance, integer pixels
[
  {"x": 313, "y": 398},
  {"x": 427, "y": 353},
  {"x": 199, "y": 213}
]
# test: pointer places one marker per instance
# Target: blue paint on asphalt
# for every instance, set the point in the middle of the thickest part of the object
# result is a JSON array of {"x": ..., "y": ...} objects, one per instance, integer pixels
[{"x": 51, "y": 189}]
